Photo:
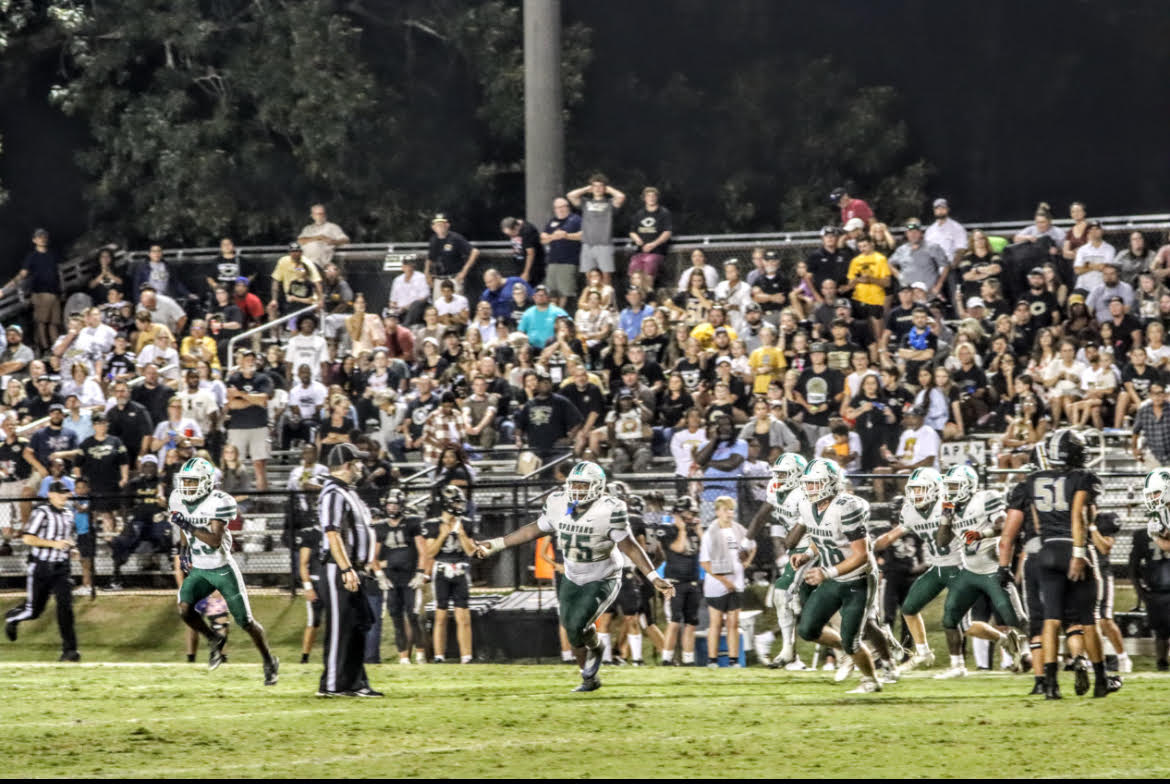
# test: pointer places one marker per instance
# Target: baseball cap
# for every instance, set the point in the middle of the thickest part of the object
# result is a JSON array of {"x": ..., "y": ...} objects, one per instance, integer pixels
[
  {"x": 854, "y": 223},
  {"x": 836, "y": 194},
  {"x": 541, "y": 287},
  {"x": 823, "y": 348},
  {"x": 148, "y": 459},
  {"x": 343, "y": 453},
  {"x": 842, "y": 303},
  {"x": 918, "y": 285},
  {"x": 98, "y": 416},
  {"x": 15, "y": 328},
  {"x": 771, "y": 255},
  {"x": 975, "y": 302},
  {"x": 720, "y": 329},
  {"x": 839, "y": 322},
  {"x": 752, "y": 306},
  {"x": 294, "y": 246},
  {"x": 920, "y": 308},
  {"x": 242, "y": 279},
  {"x": 826, "y": 230},
  {"x": 627, "y": 368},
  {"x": 1036, "y": 271},
  {"x": 439, "y": 218},
  {"x": 940, "y": 202},
  {"x": 1116, "y": 298},
  {"x": 724, "y": 360},
  {"x": 913, "y": 225},
  {"x": 1073, "y": 299},
  {"x": 58, "y": 487},
  {"x": 731, "y": 263},
  {"x": 56, "y": 407}
]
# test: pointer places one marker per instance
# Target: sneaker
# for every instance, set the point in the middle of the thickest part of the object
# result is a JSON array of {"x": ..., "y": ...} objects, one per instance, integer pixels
[
  {"x": 589, "y": 684},
  {"x": 366, "y": 691},
  {"x": 404, "y": 660},
  {"x": 844, "y": 670},
  {"x": 114, "y": 586},
  {"x": 1113, "y": 683},
  {"x": 712, "y": 666},
  {"x": 636, "y": 663},
  {"x": 867, "y": 686},
  {"x": 1124, "y": 664},
  {"x": 952, "y": 672},
  {"x": 438, "y": 660},
  {"x": 215, "y": 656},
  {"x": 70, "y": 656},
  {"x": 1037, "y": 687},
  {"x": 782, "y": 659},
  {"x": 918, "y": 660},
  {"x": 271, "y": 670},
  {"x": 1081, "y": 676},
  {"x": 887, "y": 674},
  {"x": 829, "y": 666},
  {"x": 795, "y": 665},
  {"x": 1014, "y": 644},
  {"x": 10, "y": 630},
  {"x": 592, "y": 664}
]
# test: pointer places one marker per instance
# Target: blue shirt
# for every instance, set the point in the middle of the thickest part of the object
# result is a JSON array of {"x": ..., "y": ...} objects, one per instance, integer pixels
[
  {"x": 81, "y": 518},
  {"x": 43, "y": 490},
  {"x": 82, "y": 428},
  {"x": 501, "y": 301},
  {"x": 631, "y": 322},
  {"x": 711, "y": 490},
  {"x": 564, "y": 251},
  {"x": 540, "y": 325}
]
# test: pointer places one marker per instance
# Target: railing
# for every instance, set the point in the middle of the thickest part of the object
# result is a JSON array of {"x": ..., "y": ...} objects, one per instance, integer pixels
[{"x": 268, "y": 325}]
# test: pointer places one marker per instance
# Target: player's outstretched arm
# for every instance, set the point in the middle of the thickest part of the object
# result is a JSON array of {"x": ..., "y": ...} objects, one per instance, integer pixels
[
  {"x": 632, "y": 550},
  {"x": 794, "y": 536},
  {"x": 519, "y": 536}
]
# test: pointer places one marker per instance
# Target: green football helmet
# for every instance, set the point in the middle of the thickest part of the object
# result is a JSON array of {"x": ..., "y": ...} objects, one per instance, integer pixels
[
  {"x": 786, "y": 473},
  {"x": 195, "y": 480}
]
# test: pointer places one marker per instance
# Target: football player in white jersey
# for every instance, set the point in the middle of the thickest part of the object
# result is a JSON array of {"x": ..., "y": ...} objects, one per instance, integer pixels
[
  {"x": 921, "y": 513},
  {"x": 202, "y": 514},
  {"x": 835, "y": 523},
  {"x": 589, "y": 526},
  {"x": 976, "y": 517},
  {"x": 790, "y": 590}
]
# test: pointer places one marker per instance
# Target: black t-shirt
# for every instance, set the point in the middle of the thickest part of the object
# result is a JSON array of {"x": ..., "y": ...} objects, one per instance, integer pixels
[
  {"x": 772, "y": 285},
  {"x": 654, "y": 347},
  {"x": 649, "y": 224},
  {"x": 683, "y": 567},
  {"x": 13, "y": 466},
  {"x": 37, "y": 407},
  {"x": 1123, "y": 335},
  {"x": 899, "y": 321},
  {"x": 1042, "y": 305},
  {"x": 120, "y": 365},
  {"x": 448, "y": 254},
  {"x": 897, "y": 399},
  {"x": 839, "y": 355},
  {"x": 131, "y": 424},
  {"x": 250, "y": 417},
  {"x": 544, "y": 420},
  {"x": 310, "y": 537},
  {"x": 901, "y": 556},
  {"x": 823, "y": 264},
  {"x": 398, "y": 547},
  {"x": 101, "y": 462},
  {"x": 969, "y": 381},
  {"x": 452, "y": 550},
  {"x": 691, "y": 372},
  {"x": 970, "y": 263},
  {"x": 146, "y": 505},
  {"x": 1141, "y": 381},
  {"x": 820, "y": 389},
  {"x": 528, "y": 238},
  {"x": 154, "y": 400},
  {"x": 585, "y": 400},
  {"x": 1050, "y": 493},
  {"x": 651, "y": 373},
  {"x": 417, "y": 412},
  {"x": 668, "y": 411}
]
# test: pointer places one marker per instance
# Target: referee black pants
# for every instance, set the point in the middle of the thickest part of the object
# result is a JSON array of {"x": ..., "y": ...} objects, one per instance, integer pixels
[
  {"x": 47, "y": 578},
  {"x": 347, "y": 619}
]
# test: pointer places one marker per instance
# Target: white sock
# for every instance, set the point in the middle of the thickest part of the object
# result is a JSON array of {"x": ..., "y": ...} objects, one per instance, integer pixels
[
  {"x": 668, "y": 656},
  {"x": 787, "y": 621},
  {"x": 1005, "y": 659},
  {"x": 1122, "y": 656},
  {"x": 607, "y": 644},
  {"x": 763, "y": 644},
  {"x": 923, "y": 648},
  {"x": 635, "y": 646},
  {"x": 688, "y": 658},
  {"x": 956, "y": 661},
  {"x": 438, "y": 658},
  {"x": 566, "y": 656},
  {"x": 982, "y": 650}
]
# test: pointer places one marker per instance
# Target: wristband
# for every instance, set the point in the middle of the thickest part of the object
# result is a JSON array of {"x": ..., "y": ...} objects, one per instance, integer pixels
[
  {"x": 307, "y": 585},
  {"x": 831, "y": 572},
  {"x": 651, "y": 575},
  {"x": 1078, "y": 552},
  {"x": 348, "y": 569},
  {"x": 497, "y": 544},
  {"x": 1093, "y": 527}
]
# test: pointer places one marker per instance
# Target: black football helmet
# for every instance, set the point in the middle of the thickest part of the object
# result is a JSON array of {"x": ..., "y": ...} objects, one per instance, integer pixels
[
  {"x": 452, "y": 500},
  {"x": 684, "y": 503},
  {"x": 394, "y": 497},
  {"x": 635, "y": 505},
  {"x": 618, "y": 489},
  {"x": 1066, "y": 449},
  {"x": 1107, "y": 523}
]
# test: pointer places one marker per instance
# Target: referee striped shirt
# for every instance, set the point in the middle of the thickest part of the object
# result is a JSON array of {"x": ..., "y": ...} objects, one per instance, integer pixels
[
  {"x": 48, "y": 522},
  {"x": 340, "y": 509}
]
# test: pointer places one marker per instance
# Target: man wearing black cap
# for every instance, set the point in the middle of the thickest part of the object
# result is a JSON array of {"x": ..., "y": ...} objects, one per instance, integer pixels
[
  {"x": 753, "y": 324},
  {"x": 546, "y": 419},
  {"x": 449, "y": 255},
  {"x": 348, "y": 560},
  {"x": 850, "y": 206},
  {"x": 818, "y": 391},
  {"x": 105, "y": 463},
  {"x": 50, "y": 536},
  {"x": 1042, "y": 302},
  {"x": 38, "y": 406},
  {"x": 831, "y": 260}
]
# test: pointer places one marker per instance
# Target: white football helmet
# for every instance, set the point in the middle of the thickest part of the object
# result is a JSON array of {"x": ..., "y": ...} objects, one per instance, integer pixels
[
  {"x": 195, "y": 480},
  {"x": 1156, "y": 490},
  {"x": 821, "y": 479},
  {"x": 959, "y": 484},
  {"x": 923, "y": 486},
  {"x": 786, "y": 472},
  {"x": 585, "y": 482}
]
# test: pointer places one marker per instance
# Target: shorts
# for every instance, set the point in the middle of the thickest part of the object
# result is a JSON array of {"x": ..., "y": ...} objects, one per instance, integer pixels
[
  {"x": 252, "y": 442},
  {"x": 629, "y": 598},
  {"x": 452, "y": 585},
  {"x": 103, "y": 503},
  {"x": 1158, "y": 614},
  {"x": 596, "y": 257},
  {"x": 1064, "y": 599},
  {"x": 201, "y": 583},
  {"x": 851, "y": 598},
  {"x": 87, "y": 543},
  {"x": 927, "y": 587},
  {"x": 562, "y": 280},
  {"x": 862, "y": 310},
  {"x": 683, "y": 607},
  {"x": 966, "y": 588},
  {"x": 725, "y": 603},
  {"x": 314, "y": 610},
  {"x": 646, "y": 263},
  {"x": 581, "y": 605}
]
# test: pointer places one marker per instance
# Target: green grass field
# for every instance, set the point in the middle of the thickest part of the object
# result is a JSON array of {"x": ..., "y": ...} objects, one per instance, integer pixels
[{"x": 138, "y": 719}]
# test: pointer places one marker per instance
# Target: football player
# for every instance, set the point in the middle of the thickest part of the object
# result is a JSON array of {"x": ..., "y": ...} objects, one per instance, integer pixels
[
  {"x": 591, "y": 528},
  {"x": 308, "y": 545},
  {"x": 790, "y": 590},
  {"x": 1149, "y": 562},
  {"x": 1102, "y": 535},
  {"x": 921, "y": 513},
  {"x": 1061, "y": 502},
  {"x": 976, "y": 517},
  {"x": 835, "y": 522},
  {"x": 449, "y": 542},
  {"x": 401, "y": 556},
  {"x": 202, "y": 513},
  {"x": 644, "y": 620}
]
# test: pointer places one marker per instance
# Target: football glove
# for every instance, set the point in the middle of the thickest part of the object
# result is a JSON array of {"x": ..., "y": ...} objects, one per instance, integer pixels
[
  {"x": 382, "y": 580},
  {"x": 181, "y": 522},
  {"x": 1005, "y": 576},
  {"x": 972, "y": 536},
  {"x": 418, "y": 581}
]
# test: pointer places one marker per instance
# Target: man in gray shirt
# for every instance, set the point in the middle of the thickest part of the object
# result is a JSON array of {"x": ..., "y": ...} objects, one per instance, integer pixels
[
  {"x": 916, "y": 261},
  {"x": 1111, "y": 286},
  {"x": 597, "y": 202}
]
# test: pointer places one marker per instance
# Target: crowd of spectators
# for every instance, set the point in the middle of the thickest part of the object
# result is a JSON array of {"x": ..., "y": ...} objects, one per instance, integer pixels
[{"x": 882, "y": 342}]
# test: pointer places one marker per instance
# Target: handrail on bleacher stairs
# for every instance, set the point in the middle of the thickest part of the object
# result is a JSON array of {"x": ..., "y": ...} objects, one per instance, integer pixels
[{"x": 266, "y": 326}]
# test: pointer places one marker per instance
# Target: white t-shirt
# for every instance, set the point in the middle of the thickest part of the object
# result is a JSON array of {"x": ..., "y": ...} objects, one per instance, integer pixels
[
  {"x": 404, "y": 292},
  {"x": 308, "y": 350},
  {"x": 199, "y": 406},
  {"x": 1098, "y": 379},
  {"x": 307, "y": 399},
  {"x": 164, "y": 359},
  {"x": 950, "y": 236},
  {"x": 1065, "y": 386},
  {"x": 1087, "y": 254},
  {"x": 826, "y": 441},
  {"x": 916, "y": 445},
  {"x": 102, "y": 336},
  {"x": 680, "y": 448},
  {"x": 458, "y": 304},
  {"x": 319, "y": 252},
  {"x": 714, "y": 588}
]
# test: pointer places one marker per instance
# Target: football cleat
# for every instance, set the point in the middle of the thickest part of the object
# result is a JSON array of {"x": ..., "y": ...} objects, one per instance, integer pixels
[
  {"x": 366, "y": 691},
  {"x": 887, "y": 674},
  {"x": 867, "y": 686},
  {"x": 1014, "y": 645},
  {"x": 271, "y": 670},
  {"x": 215, "y": 657},
  {"x": 829, "y": 666},
  {"x": 1037, "y": 687},
  {"x": 1113, "y": 683},
  {"x": 918, "y": 660},
  {"x": 1052, "y": 692},
  {"x": 10, "y": 630},
  {"x": 952, "y": 672},
  {"x": 782, "y": 659},
  {"x": 70, "y": 656},
  {"x": 844, "y": 670},
  {"x": 712, "y": 666},
  {"x": 589, "y": 684},
  {"x": 637, "y": 663},
  {"x": 592, "y": 663},
  {"x": 1081, "y": 676},
  {"x": 795, "y": 665}
]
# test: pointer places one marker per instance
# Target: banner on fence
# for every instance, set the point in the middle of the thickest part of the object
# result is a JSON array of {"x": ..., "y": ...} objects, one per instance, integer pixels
[{"x": 955, "y": 453}]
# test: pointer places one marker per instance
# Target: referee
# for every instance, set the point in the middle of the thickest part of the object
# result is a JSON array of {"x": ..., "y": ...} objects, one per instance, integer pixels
[
  {"x": 347, "y": 545},
  {"x": 49, "y": 535}
]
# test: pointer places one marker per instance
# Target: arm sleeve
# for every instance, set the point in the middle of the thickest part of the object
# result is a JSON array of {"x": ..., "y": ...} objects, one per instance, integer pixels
[
  {"x": 225, "y": 508},
  {"x": 619, "y": 522},
  {"x": 1018, "y": 497}
]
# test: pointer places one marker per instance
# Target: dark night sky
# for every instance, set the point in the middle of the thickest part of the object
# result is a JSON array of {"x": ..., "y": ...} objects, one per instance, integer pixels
[{"x": 1010, "y": 102}]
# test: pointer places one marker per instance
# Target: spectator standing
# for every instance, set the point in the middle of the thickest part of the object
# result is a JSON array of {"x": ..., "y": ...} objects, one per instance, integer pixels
[
  {"x": 284, "y": 275},
  {"x": 336, "y": 300},
  {"x": 868, "y": 278},
  {"x": 562, "y": 234},
  {"x": 41, "y": 267},
  {"x": 917, "y": 261},
  {"x": 321, "y": 238},
  {"x": 946, "y": 233},
  {"x": 831, "y": 260},
  {"x": 247, "y": 427},
  {"x": 1152, "y": 424},
  {"x": 597, "y": 201},
  {"x": 130, "y": 421},
  {"x": 527, "y": 249},
  {"x": 851, "y": 207},
  {"x": 651, "y": 233},
  {"x": 723, "y": 553},
  {"x": 721, "y": 460},
  {"x": 449, "y": 255},
  {"x": 1092, "y": 258}
]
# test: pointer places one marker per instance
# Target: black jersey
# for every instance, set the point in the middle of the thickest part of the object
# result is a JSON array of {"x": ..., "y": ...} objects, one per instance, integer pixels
[
  {"x": 147, "y": 505},
  {"x": 679, "y": 566},
  {"x": 398, "y": 548},
  {"x": 452, "y": 550},
  {"x": 310, "y": 537},
  {"x": 1049, "y": 494},
  {"x": 1149, "y": 563},
  {"x": 902, "y": 556}
]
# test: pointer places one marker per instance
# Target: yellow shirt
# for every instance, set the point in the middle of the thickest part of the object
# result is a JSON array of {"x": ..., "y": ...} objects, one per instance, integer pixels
[
  {"x": 876, "y": 266},
  {"x": 705, "y": 334},
  {"x": 146, "y": 336},
  {"x": 209, "y": 351},
  {"x": 766, "y": 363},
  {"x": 285, "y": 272}
]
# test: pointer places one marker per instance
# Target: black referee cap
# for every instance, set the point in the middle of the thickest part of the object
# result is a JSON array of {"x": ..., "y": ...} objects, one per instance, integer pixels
[
  {"x": 345, "y": 453},
  {"x": 58, "y": 487}
]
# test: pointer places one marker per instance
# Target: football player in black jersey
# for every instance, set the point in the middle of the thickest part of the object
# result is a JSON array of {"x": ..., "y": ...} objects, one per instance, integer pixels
[
  {"x": 646, "y": 615},
  {"x": 451, "y": 543},
  {"x": 402, "y": 558},
  {"x": 1102, "y": 535},
  {"x": 308, "y": 544},
  {"x": 1060, "y": 502}
]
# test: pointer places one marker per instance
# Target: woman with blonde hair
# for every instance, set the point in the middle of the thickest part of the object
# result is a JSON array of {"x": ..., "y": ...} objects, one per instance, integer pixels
[
  {"x": 723, "y": 552},
  {"x": 883, "y": 240}
]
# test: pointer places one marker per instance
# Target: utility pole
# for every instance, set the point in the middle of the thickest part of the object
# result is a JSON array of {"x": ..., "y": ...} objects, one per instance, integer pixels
[{"x": 544, "y": 128}]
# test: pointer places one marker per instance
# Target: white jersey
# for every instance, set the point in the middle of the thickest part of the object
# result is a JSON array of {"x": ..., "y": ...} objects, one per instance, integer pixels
[
  {"x": 218, "y": 505},
  {"x": 786, "y": 516},
  {"x": 925, "y": 527},
  {"x": 587, "y": 538},
  {"x": 833, "y": 531},
  {"x": 983, "y": 511},
  {"x": 1159, "y": 524}
]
